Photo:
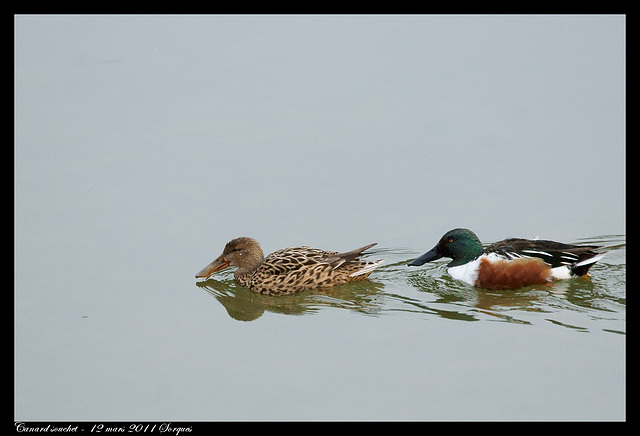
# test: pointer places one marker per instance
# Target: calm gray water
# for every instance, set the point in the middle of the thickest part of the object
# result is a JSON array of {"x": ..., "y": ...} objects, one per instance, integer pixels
[{"x": 144, "y": 143}]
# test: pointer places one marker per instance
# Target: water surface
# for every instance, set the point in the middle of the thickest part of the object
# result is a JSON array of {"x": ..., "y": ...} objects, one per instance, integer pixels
[{"x": 144, "y": 143}]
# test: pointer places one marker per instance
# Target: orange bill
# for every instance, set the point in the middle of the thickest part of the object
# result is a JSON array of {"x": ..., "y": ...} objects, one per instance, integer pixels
[{"x": 217, "y": 265}]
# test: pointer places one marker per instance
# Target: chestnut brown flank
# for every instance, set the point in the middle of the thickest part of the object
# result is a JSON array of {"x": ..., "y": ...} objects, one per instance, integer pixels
[{"x": 512, "y": 274}]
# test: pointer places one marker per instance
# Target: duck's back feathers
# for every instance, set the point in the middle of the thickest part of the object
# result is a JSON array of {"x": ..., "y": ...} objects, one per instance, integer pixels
[
  {"x": 337, "y": 259},
  {"x": 577, "y": 258},
  {"x": 294, "y": 269}
]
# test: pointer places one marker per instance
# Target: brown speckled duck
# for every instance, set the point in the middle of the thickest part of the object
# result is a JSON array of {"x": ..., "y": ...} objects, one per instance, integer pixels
[{"x": 289, "y": 270}]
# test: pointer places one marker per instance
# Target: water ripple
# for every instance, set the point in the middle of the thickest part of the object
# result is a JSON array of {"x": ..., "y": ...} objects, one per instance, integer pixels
[{"x": 582, "y": 304}]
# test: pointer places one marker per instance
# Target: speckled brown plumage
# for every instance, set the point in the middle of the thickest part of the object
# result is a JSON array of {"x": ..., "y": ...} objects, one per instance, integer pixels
[{"x": 289, "y": 270}]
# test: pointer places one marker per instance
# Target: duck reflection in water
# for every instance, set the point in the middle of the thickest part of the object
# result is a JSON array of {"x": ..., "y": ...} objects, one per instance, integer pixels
[
  {"x": 243, "y": 304},
  {"x": 452, "y": 299}
]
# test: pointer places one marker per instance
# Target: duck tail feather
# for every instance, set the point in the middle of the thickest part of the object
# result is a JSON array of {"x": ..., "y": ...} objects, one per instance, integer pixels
[{"x": 368, "y": 268}]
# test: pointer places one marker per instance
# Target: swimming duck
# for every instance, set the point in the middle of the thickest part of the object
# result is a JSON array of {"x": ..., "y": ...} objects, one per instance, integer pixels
[
  {"x": 511, "y": 263},
  {"x": 289, "y": 270}
]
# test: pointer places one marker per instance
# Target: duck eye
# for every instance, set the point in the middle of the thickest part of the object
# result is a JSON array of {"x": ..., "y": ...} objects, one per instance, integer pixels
[{"x": 450, "y": 240}]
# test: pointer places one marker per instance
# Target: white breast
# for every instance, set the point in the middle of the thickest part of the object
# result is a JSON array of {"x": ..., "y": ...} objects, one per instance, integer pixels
[{"x": 467, "y": 273}]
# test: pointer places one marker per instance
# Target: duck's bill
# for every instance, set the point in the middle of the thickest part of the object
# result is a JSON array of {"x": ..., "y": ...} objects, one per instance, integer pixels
[
  {"x": 427, "y": 257},
  {"x": 217, "y": 265}
]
